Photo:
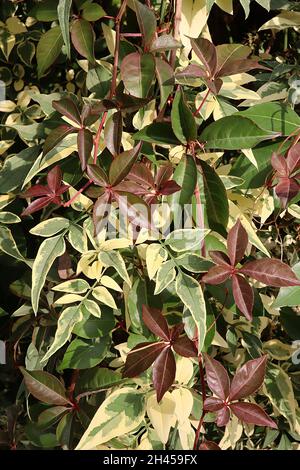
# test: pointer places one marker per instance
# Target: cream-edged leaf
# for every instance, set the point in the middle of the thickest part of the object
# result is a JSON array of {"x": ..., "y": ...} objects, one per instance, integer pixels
[
  {"x": 49, "y": 250},
  {"x": 103, "y": 295},
  {"x": 110, "y": 283},
  {"x": 155, "y": 256},
  {"x": 120, "y": 413},
  {"x": 74, "y": 286},
  {"x": 50, "y": 227},
  {"x": 162, "y": 415},
  {"x": 66, "y": 322}
]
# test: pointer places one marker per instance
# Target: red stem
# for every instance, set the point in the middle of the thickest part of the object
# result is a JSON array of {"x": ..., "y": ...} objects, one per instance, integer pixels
[
  {"x": 202, "y": 102},
  {"x": 111, "y": 95},
  {"x": 87, "y": 184}
]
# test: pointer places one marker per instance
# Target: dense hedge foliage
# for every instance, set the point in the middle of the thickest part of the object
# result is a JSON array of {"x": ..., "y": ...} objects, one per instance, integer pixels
[{"x": 149, "y": 224}]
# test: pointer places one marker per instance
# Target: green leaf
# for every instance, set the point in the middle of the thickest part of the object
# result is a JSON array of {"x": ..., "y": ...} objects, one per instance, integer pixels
[
  {"x": 83, "y": 354},
  {"x": 157, "y": 133},
  {"x": 15, "y": 169},
  {"x": 165, "y": 78},
  {"x": 63, "y": 11},
  {"x": 56, "y": 136},
  {"x": 98, "y": 379},
  {"x": 279, "y": 389},
  {"x": 183, "y": 121},
  {"x": 255, "y": 177},
  {"x": 50, "y": 227},
  {"x": 193, "y": 263},
  {"x": 288, "y": 296},
  {"x": 45, "y": 387},
  {"x": 216, "y": 202},
  {"x": 49, "y": 250},
  {"x": 290, "y": 322},
  {"x": 66, "y": 322},
  {"x": 136, "y": 298},
  {"x": 48, "y": 49},
  {"x": 26, "y": 52},
  {"x": 234, "y": 132},
  {"x": 83, "y": 38},
  {"x": 137, "y": 72},
  {"x": 122, "y": 164},
  {"x": 186, "y": 176},
  {"x": 91, "y": 327},
  {"x": 122, "y": 412},
  {"x": 45, "y": 11},
  {"x": 92, "y": 12},
  {"x": 190, "y": 293},
  {"x": 147, "y": 22},
  {"x": 273, "y": 117}
]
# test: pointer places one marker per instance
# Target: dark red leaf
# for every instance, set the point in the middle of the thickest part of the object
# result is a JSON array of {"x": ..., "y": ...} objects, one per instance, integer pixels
[
  {"x": 243, "y": 295},
  {"x": 169, "y": 187},
  {"x": 206, "y": 52},
  {"x": 272, "y": 272},
  {"x": 83, "y": 38},
  {"x": 54, "y": 178},
  {"x": 36, "y": 191},
  {"x": 185, "y": 347},
  {"x": 164, "y": 370},
  {"x": 141, "y": 174},
  {"x": 63, "y": 188},
  {"x": 217, "y": 275},
  {"x": 56, "y": 136},
  {"x": 237, "y": 242},
  {"x": 134, "y": 209},
  {"x": 164, "y": 173},
  {"x": 68, "y": 108},
  {"x": 219, "y": 258},
  {"x": 209, "y": 445},
  {"x": 130, "y": 187},
  {"x": 37, "y": 205},
  {"x": 213, "y": 404},
  {"x": 98, "y": 175},
  {"x": 217, "y": 377},
  {"x": 113, "y": 133},
  {"x": 239, "y": 66},
  {"x": 252, "y": 414},
  {"x": 85, "y": 146},
  {"x": 122, "y": 164},
  {"x": 248, "y": 379},
  {"x": 293, "y": 158},
  {"x": 141, "y": 357},
  {"x": 279, "y": 164},
  {"x": 286, "y": 189},
  {"x": 176, "y": 331},
  {"x": 191, "y": 71},
  {"x": 156, "y": 322},
  {"x": 223, "y": 416}
]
